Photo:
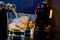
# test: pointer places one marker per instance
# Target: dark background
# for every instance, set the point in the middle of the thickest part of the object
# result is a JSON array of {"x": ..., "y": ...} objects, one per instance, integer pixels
[{"x": 24, "y": 5}]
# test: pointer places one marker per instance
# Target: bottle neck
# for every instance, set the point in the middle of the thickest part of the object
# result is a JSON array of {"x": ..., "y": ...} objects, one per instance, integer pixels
[
  {"x": 45, "y": 2},
  {"x": 37, "y": 8}
]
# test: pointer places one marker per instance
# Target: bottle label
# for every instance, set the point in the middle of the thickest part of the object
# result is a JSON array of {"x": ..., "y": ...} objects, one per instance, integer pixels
[{"x": 50, "y": 16}]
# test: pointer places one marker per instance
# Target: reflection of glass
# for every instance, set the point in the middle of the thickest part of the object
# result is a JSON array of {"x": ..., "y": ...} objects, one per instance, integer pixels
[
  {"x": 11, "y": 16},
  {"x": 20, "y": 22},
  {"x": 18, "y": 25}
]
